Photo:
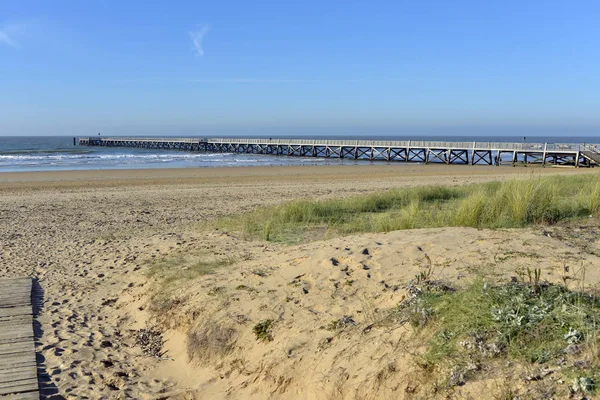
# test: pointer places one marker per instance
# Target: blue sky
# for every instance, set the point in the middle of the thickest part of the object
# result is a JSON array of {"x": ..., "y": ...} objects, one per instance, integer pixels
[{"x": 338, "y": 67}]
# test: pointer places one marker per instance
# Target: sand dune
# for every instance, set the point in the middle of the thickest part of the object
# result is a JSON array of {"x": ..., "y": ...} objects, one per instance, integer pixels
[{"x": 90, "y": 239}]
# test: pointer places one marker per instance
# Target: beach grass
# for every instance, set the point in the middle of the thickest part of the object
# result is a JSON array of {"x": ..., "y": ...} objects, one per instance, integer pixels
[{"x": 509, "y": 204}]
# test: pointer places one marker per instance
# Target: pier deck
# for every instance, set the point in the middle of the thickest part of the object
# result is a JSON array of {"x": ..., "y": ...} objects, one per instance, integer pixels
[
  {"x": 486, "y": 153},
  {"x": 18, "y": 369}
]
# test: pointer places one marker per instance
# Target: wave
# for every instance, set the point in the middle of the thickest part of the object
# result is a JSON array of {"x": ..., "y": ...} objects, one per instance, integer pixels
[
  {"x": 21, "y": 160},
  {"x": 52, "y": 151}
]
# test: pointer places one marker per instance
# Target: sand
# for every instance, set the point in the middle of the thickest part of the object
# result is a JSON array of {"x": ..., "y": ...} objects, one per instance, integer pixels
[{"x": 90, "y": 239}]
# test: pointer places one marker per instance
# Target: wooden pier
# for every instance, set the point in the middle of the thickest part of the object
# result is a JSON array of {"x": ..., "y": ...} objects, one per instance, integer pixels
[
  {"x": 18, "y": 369},
  {"x": 473, "y": 153}
]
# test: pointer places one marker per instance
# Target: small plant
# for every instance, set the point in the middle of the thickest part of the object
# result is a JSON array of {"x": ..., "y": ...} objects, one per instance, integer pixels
[
  {"x": 583, "y": 384},
  {"x": 267, "y": 231},
  {"x": 262, "y": 330},
  {"x": 217, "y": 290},
  {"x": 332, "y": 326},
  {"x": 534, "y": 278},
  {"x": 246, "y": 288},
  {"x": 261, "y": 272},
  {"x": 341, "y": 323},
  {"x": 424, "y": 276}
]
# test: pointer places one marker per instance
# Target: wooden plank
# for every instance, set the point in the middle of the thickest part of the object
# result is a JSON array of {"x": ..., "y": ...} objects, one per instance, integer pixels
[
  {"x": 16, "y": 348},
  {"x": 9, "y": 360},
  {"x": 16, "y": 320},
  {"x": 12, "y": 282},
  {"x": 9, "y": 327},
  {"x": 15, "y": 292},
  {"x": 20, "y": 303},
  {"x": 22, "y": 396},
  {"x": 19, "y": 363},
  {"x": 11, "y": 290},
  {"x": 15, "y": 288},
  {"x": 24, "y": 297},
  {"x": 12, "y": 317},
  {"x": 18, "y": 340},
  {"x": 18, "y": 387},
  {"x": 24, "y": 285},
  {"x": 22, "y": 339},
  {"x": 18, "y": 374},
  {"x": 13, "y": 302},
  {"x": 23, "y": 354},
  {"x": 14, "y": 296},
  {"x": 16, "y": 332},
  {"x": 12, "y": 320},
  {"x": 9, "y": 319},
  {"x": 22, "y": 310},
  {"x": 19, "y": 348}
]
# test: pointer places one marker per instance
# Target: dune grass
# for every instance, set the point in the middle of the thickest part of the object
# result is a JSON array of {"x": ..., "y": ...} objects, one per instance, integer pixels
[{"x": 508, "y": 204}]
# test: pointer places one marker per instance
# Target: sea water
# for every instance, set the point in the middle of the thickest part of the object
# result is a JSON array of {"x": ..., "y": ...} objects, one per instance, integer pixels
[{"x": 48, "y": 153}]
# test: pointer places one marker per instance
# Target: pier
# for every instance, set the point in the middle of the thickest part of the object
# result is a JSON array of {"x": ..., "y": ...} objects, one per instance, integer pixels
[{"x": 472, "y": 153}]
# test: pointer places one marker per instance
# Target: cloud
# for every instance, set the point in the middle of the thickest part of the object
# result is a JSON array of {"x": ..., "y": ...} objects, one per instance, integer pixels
[
  {"x": 13, "y": 33},
  {"x": 197, "y": 37},
  {"x": 7, "y": 40}
]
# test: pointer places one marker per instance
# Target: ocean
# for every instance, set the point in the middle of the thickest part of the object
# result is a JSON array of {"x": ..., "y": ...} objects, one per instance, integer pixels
[{"x": 51, "y": 153}]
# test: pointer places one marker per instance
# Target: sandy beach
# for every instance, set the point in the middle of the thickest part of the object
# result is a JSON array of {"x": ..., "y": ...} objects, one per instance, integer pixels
[{"x": 89, "y": 238}]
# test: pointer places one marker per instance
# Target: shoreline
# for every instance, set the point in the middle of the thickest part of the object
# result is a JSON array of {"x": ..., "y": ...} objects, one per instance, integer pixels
[{"x": 197, "y": 175}]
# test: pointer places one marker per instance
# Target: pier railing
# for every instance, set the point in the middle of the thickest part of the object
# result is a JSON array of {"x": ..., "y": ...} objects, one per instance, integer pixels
[
  {"x": 406, "y": 143},
  {"x": 144, "y": 139},
  {"x": 364, "y": 143}
]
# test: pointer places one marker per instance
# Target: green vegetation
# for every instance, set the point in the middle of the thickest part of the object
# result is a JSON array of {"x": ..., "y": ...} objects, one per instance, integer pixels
[
  {"x": 171, "y": 272},
  {"x": 171, "y": 269},
  {"x": 527, "y": 322},
  {"x": 509, "y": 204},
  {"x": 262, "y": 330}
]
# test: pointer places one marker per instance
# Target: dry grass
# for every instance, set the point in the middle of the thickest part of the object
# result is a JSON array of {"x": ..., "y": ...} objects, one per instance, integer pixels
[{"x": 210, "y": 341}]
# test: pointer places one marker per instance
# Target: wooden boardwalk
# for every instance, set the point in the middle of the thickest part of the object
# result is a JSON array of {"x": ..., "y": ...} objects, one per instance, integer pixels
[
  {"x": 18, "y": 369},
  {"x": 486, "y": 153}
]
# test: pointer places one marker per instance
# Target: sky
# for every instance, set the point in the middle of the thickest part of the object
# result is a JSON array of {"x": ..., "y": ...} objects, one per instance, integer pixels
[{"x": 299, "y": 67}]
